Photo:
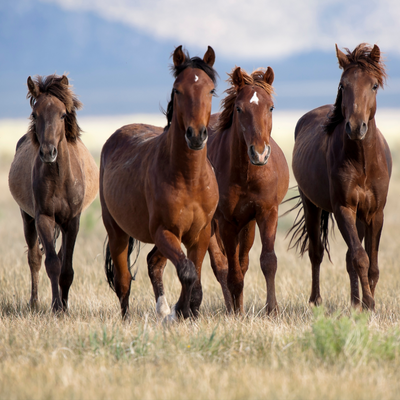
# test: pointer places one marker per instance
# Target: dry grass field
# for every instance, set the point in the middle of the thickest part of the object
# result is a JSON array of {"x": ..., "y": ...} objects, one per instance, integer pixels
[{"x": 90, "y": 353}]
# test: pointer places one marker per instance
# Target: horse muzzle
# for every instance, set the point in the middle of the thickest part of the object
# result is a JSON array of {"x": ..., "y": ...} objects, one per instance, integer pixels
[
  {"x": 196, "y": 142},
  {"x": 48, "y": 153},
  {"x": 356, "y": 132},
  {"x": 257, "y": 158}
]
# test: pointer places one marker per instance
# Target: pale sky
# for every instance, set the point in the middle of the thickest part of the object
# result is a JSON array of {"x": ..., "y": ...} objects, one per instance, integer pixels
[{"x": 256, "y": 28}]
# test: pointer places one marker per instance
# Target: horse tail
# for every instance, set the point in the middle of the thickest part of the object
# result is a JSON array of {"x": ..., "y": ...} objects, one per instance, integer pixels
[
  {"x": 109, "y": 264},
  {"x": 300, "y": 238}
]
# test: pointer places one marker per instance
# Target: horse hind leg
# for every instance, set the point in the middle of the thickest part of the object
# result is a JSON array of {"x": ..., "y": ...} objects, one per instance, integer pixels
[
  {"x": 34, "y": 256},
  {"x": 219, "y": 265},
  {"x": 312, "y": 216},
  {"x": 156, "y": 263}
]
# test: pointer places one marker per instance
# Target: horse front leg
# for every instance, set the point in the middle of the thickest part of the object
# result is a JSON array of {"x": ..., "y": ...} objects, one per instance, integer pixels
[
  {"x": 170, "y": 246},
  {"x": 34, "y": 256},
  {"x": 67, "y": 250},
  {"x": 346, "y": 220},
  {"x": 372, "y": 239},
  {"x": 156, "y": 263},
  {"x": 354, "y": 286},
  {"x": 267, "y": 224},
  {"x": 45, "y": 227}
]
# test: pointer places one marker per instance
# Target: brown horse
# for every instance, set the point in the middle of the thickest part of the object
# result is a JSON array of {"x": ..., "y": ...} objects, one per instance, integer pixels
[
  {"x": 253, "y": 178},
  {"x": 342, "y": 165},
  {"x": 157, "y": 186},
  {"x": 53, "y": 178}
]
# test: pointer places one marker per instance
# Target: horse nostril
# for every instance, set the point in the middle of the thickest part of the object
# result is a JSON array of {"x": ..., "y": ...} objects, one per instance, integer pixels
[
  {"x": 53, "y": 152},
  {"x": 348, "y": 128},
  {"x": 364, "y": 128},
  {"x": 203, "y": 133},
  {"x": 252, "y": 152},
  {"x": 189, "y": 132}
]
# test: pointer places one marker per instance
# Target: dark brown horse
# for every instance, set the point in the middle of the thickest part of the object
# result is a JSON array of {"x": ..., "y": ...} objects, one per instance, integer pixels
[
  {"x": 53, "y": 178},
  {"x": 253, "y": 178},
  {"x": 342, "y": 165},
  {"x": 157, "y": 186}
]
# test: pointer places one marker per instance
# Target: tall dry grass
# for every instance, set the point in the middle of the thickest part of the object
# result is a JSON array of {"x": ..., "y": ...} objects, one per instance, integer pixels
[{"x": 90, "y": 353}]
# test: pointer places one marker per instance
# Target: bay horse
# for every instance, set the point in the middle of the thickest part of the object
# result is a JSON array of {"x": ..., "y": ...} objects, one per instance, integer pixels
[
  {"x": 342, "y": 165},
  {"x": 157, "y": 186},
  {"x": 53, "y": 178},
  {"x": 253, "y": 178}
]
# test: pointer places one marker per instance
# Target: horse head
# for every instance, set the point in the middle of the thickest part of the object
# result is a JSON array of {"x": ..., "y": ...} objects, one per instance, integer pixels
[
  {"x": 192, "y": 95},
  {"x": 252, "y": 114},
  {"x": 53, "y": 114},
  {"x": 358, "y": 87}
]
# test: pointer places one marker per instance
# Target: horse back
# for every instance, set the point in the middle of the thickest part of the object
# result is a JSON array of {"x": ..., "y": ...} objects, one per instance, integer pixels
[{"x": 309, "y": 156}]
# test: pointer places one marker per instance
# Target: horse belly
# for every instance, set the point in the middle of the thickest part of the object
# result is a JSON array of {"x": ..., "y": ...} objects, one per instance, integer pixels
[{"x": 20, "y": 177}]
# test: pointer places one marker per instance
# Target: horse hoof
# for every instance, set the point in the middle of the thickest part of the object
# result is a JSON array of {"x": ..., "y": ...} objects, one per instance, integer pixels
[
  {"x": 171, "y": 318},
  {"x": 315, "y": 302},
  {"x": 162, "y": 307}
]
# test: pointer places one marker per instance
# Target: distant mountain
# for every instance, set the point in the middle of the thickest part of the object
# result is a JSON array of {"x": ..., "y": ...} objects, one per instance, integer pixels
[{"x": 118, "y": 70}]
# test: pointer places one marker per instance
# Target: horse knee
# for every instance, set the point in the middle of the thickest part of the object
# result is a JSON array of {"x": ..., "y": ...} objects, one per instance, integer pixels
[
  {"x": 235, "y": 284},
  {"x": 360, "y": 262},
  {"x": 53, "y": 266},
  {"x": 187, "y": 272}
]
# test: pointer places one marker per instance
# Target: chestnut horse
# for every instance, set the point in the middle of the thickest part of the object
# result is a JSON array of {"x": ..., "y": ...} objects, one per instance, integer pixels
[
  {"x": 53, "y": 178},
  {"x": 157, "y": 186},
  {"x": 253, "y": 178},
  {"x": 342, "y": 165}
]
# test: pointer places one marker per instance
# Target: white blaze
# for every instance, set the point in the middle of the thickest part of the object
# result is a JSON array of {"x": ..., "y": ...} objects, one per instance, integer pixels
[
  {"x": 196, "y": 78},
  {"x": 254, "y": 99}
]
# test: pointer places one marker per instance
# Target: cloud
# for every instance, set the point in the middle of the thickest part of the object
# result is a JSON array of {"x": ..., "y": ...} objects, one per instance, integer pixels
[{"x": 256, "y": 28}]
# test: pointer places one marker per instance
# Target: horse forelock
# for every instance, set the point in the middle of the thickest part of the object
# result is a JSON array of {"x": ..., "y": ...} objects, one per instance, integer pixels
[
  {"x": 194, "y": 62},
  {"x": 53, "y": 86},
  {"x": 359, "y": 57},
  {"x": 228, "y": 103}
]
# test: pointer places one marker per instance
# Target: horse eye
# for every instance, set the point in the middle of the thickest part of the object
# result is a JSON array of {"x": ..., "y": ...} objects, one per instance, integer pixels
[
  {"x": 175, "y": 91},
  {"x": 213, "y": 92},
  {"x": 63, "y": 116},
  {"x": 375, "y": 86},
  {"x": 238, "y": 109},
  {"x": 271, "y": 108},
  {"x": 33, "y": 116},
  {"x": 340, "y": 86}
]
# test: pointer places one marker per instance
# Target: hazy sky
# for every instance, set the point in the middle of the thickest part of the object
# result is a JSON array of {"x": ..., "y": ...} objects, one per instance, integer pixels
[{"x": 242, "y": 28}]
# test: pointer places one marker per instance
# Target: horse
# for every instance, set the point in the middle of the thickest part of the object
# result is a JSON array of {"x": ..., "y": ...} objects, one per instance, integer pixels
[
  {"x": 53, "y": 178},
  {"x": 342, "y": 164},
  {"x": 253, "y": 178},
  {"x": 157, "y": 186}
]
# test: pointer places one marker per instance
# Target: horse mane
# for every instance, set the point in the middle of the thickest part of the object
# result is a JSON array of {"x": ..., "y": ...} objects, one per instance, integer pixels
[
  {"x": 194, "y": 62},
  {"x": 228, "y": 103},
  {"x": 52, "y": 85},
  {"x": 360, "y": 57}
]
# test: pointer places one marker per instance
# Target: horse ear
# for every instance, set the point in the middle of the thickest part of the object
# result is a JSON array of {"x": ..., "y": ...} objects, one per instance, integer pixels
[
  {"x": 64, "y": 80},
  {"x": 269, "y": 76},
  {"x": 209, "y": 57},
  {"x": 178, "y": 56},
  {"x": 237, "y": 78},
  {"x": 375, "y": 53},
  {"x": 33, "y": 88},
  {"x": 343, "y": 61}
]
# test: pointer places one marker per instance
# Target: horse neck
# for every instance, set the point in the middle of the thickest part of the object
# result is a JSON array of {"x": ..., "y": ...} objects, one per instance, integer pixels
[
  {"x": 363, "y": 152},
  {"x": 61, "y": 170},
  {"x": 239, "y": 163},
  {"x": 182, "y": 161}
]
